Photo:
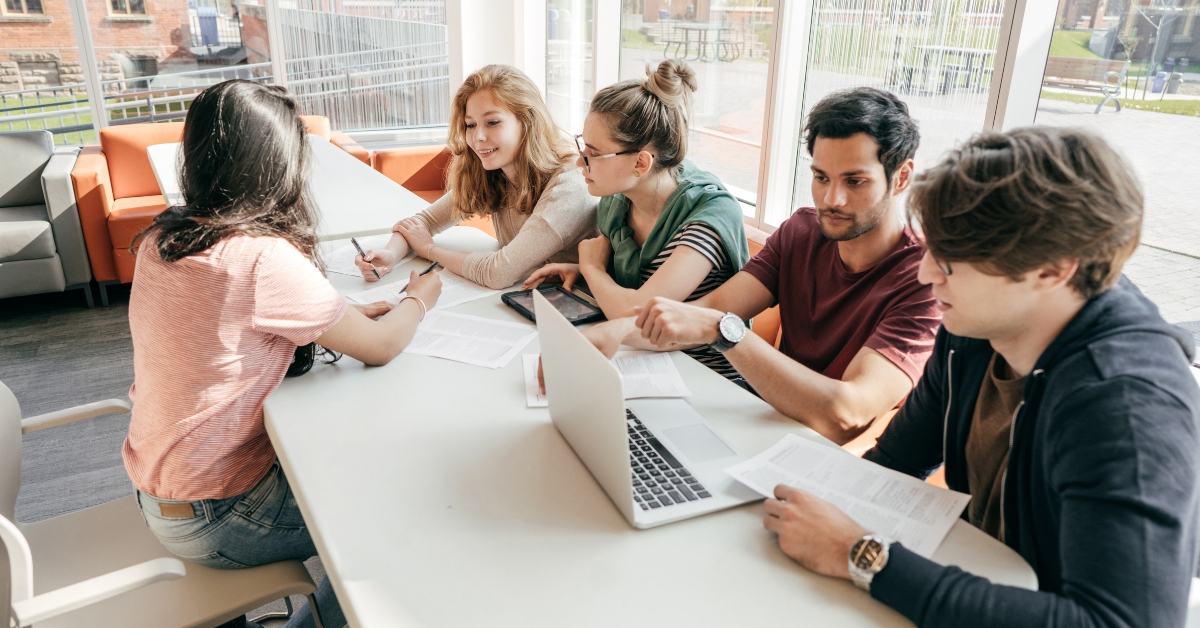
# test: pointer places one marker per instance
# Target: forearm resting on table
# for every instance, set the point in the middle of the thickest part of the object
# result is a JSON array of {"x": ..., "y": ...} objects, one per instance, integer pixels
[
  {"x": 837, "y": 409},
  {"x": 373, "y": 342}
]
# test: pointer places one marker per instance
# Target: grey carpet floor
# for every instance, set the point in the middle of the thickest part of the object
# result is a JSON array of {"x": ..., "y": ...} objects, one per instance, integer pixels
[{"x": 55, "y": 354}]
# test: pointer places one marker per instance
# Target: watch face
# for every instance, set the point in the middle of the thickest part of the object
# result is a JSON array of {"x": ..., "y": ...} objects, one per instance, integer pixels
[
  {"x": 866, "y": 553},
  {"x": 732, "y": 328}
]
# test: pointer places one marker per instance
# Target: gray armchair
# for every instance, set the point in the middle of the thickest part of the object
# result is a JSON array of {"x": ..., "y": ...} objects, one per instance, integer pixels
[{"x": 41, "y": 240}]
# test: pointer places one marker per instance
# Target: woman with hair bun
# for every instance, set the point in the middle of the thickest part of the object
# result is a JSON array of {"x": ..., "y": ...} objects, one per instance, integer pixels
[
  {"x": 668, "y": 229},
  {"x": 511, "y": 163}
]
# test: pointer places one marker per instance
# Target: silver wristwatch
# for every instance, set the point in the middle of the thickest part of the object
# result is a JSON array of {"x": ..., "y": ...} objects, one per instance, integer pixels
[
  {"x": 868, "y": 556},
  {"x": 730, "y": 331}
]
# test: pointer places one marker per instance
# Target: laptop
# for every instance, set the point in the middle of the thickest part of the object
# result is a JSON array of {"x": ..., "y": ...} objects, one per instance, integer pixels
[{"x": 658, "y": 460}]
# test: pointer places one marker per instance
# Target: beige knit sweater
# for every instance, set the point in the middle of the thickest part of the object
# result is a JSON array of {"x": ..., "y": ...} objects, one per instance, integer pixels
[{"x": 562, "y": 216}]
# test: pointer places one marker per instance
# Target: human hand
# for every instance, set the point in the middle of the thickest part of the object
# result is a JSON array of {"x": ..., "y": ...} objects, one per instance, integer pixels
[
  {"x": 666, "y": 323},
  {"x": 374, "y": 310},
  {"x": 417, "y": 236},
  {"x": 381, "y": 261},
  {"x": 812, "y": 531},
  {"x": 427, "y": 288},
  {"x": 595, "y": 252},
  {"x": 607, "y": 336},
  {"x": 568, "y": 274}
]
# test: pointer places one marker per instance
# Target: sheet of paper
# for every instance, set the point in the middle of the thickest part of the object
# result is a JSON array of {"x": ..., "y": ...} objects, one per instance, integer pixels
[
  {"x": 470, "y": 339},
  {"x": 534, "y": 397},
  {"x": 341, "y": 260},
  {"x": 885, "y": 502},
  {"x": 649, "y": 374},
  {"x": 643, "y": 374},
  {"x": 455, "y": 290}
]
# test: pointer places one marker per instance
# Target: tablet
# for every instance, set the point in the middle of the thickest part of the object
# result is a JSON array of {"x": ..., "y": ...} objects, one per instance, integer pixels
[{"x": 572, "y": 307}]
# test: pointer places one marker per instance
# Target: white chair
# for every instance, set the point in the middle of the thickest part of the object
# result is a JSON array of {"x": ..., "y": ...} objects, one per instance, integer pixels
[{"x": 102, "y": 566}]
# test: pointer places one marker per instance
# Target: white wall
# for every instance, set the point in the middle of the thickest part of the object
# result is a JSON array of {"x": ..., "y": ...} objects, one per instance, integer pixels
[{"x": 482, "y": 32}]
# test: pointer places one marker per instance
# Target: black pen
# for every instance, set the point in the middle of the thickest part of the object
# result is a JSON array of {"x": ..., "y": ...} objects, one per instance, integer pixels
[
  {"x": 364, "y": 256},
  {"x": 423, "y": 273}
]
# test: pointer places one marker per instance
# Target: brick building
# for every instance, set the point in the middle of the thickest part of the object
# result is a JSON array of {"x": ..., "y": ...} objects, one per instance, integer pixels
[{"x": 131, "y": 38}]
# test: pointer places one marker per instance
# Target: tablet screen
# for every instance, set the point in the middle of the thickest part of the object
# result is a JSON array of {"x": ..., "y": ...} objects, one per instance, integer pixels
[{"x": 567, "y": 306}]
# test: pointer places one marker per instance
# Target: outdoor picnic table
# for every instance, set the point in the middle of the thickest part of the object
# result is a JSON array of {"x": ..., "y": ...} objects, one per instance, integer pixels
[
  {"x": 701, "y": 29},
  {"x": 939, "y": 69}
]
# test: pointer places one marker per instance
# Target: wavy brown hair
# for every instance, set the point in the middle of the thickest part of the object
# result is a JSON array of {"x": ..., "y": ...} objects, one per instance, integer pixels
[
  {"x": 542, "y": 154},
  {"x": 1012, "y": 202},
  {"x": 245, "y": 171}
]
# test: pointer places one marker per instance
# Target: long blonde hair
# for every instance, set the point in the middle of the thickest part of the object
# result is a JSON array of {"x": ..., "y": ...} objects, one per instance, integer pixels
[{"x": 542, "y": 154}]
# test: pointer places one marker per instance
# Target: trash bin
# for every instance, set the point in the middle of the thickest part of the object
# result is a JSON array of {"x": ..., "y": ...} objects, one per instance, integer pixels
[
  {"x": 1173, "y": 84},
  {"x": 1160, "y": 81},
  {"x": 207, "y": 16}
]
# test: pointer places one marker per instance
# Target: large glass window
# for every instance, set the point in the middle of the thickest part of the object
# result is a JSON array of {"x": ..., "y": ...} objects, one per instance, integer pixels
[
  {"x": 569, "y": 62},
  {"x": 937, "y": 55},
  {"x": 1146, "y": 55},
  {"x": 368, "y": 64},
  {"x": 727, "y": 43},
  {"x": 41, "y": 77}
]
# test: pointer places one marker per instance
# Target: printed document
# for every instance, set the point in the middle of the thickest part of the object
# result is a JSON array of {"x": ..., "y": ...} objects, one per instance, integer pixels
[
  {"x": 885, "y": 502},
  {"x": 643, "y": 374},
  {"x": 470, "y": 339},
  {"x": 341, "y": 260},
  {"x": 455, "y": 290}
]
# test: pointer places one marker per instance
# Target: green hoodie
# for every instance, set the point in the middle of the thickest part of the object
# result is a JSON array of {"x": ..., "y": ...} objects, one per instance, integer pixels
[{"x": 700, "y": 197}]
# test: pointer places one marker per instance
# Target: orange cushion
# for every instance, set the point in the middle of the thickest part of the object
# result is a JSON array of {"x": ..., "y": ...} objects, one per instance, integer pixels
[
  {"x": 125, "y": 263},
  {"x": 128, "y": 165},
  {"x": 318, "y": 125},
  {"x": 130, "y": 216},
  {"x": 415, "y": 167},
  {"x": 93, "y": 196}
]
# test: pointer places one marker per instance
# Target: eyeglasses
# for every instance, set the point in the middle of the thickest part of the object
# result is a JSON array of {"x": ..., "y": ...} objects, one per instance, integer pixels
[{"x": 580, "y": 145}]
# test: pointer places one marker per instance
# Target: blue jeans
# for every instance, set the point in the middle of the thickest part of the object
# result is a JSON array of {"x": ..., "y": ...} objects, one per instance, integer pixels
[{"x": 262, "y": 525}]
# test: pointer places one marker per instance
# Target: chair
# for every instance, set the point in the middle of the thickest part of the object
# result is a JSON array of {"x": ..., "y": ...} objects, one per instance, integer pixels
[
  {"x": 106, "y": 558},
  {"x": 118, "y": 195},
  {"x": 41, "y": 242},
  {"x": 422, "y": 171}
]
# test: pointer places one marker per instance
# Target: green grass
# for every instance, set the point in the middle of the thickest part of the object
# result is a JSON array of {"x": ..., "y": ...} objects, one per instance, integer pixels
[
  {"x": 65, "y": 103},
  {"x": 1176, "y": 107},
  {"x": 635, "y": 39},
  {"x": 1073, "y": 44}
]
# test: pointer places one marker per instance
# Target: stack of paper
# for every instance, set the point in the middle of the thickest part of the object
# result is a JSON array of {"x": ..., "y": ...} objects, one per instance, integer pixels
[
  {"x": 455, "y": 290},
  {"x": 643, "y": 374},
  {"x": 341, "y": 260},
  {"x": 885, "y": 502},
  {"x": 470, "y": 339}
]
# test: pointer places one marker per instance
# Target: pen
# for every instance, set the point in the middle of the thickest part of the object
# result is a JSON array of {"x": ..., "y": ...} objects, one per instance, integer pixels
[
  {"x": 364, "y": 256},
  {"x": 423, "y": 273}
]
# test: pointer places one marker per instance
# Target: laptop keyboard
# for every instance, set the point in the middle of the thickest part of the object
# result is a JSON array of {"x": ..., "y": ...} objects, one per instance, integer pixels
[{"x": 659, "y": 479}]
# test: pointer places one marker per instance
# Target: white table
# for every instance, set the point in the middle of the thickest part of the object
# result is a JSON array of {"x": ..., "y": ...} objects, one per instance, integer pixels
[
  {"x": 436, "y": 498},
  {"x": 353, "y": 198}
]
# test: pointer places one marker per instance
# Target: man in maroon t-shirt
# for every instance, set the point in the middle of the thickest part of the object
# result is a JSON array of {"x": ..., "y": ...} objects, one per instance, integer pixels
[{"x": 857, "y": 325}]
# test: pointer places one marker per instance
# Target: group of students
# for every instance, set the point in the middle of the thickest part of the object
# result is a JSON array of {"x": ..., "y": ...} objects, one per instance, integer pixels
[{"x": 1004, "y": 337}]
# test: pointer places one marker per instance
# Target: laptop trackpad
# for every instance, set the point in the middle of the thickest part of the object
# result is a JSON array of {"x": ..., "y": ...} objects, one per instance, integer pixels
[{"x": 698, "y": 443}]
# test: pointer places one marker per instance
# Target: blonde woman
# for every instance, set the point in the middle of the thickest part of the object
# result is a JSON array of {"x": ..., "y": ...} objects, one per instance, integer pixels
[{"x": 509, "y": 162}]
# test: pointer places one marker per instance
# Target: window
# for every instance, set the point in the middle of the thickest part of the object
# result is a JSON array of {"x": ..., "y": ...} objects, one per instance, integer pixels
[
  {"x": 936, "y": 55},
  {"x": 569, "y": 82},
  {"x": 23, "y": 7},
  {"x": 728, "y": 45},
  {"x": 128, "y": 7}
]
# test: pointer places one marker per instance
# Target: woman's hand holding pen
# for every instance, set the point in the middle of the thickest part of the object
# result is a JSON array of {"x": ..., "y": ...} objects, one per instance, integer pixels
[
  {"x": 427, "y": 287},
  {"x": 378, "y": 260}
]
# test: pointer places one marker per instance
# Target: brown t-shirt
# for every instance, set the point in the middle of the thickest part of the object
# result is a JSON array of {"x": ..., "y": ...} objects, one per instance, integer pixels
[
  {"x": 828, "y": 314},
  {"x": 1000, "y": 397}
]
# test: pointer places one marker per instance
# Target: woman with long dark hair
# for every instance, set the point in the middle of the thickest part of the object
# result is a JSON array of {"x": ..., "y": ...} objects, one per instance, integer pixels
[{"x": 226, "y": 287}]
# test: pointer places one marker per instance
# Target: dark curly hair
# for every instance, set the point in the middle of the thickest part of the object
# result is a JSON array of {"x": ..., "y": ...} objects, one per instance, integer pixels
[
  {"x": 875, "y": 112},
  {"x": 245, "y": 171},
  {"x": 1012, "y": 202}
]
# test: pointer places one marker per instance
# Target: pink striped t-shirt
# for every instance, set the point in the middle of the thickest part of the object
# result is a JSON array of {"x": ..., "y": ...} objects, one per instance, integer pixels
[{"x": 213, "y": 335}]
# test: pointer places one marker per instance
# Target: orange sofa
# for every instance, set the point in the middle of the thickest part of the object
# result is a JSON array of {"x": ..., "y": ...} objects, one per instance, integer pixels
[
  {"x": 422, "y": 171},
  {"x": 118, "y": 196}
]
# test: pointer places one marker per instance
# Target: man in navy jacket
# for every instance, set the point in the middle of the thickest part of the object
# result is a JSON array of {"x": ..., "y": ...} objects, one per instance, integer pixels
[{"x": 1056, "y": 396}]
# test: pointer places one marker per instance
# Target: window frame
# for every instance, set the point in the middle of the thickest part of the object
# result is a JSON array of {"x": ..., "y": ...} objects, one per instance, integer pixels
[{"x": 24, "y": 12}]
